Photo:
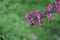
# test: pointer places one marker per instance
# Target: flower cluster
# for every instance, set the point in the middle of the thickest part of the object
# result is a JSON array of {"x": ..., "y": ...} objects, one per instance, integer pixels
[
  {"x": 57, "y": 7},
  {"x": 35, "y": 17}
]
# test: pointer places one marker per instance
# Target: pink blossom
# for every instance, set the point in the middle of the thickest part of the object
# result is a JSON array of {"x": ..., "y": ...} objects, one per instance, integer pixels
[
  {"x": 49, "y": 7},
  {"x": 36, "y": 19},
  {"x": 26, "y": 17},
  {"x": 31, "y": 20},
  {"x": 38, "y": 15},
  {"x": 57, "y": 7},
  {"x": 50, "y": 16}
]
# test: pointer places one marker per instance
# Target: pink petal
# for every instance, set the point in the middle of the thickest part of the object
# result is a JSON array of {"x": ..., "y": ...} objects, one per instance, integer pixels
[
  {"x": 49, "y": 7},
  {"x": 26, "y": 17},
  {"x": 57, "y": 8},
  {"x": 31, "y": 20}
]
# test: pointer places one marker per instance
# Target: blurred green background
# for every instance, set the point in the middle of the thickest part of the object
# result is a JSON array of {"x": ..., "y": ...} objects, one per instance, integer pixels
[{"x": 14, "y": 27}]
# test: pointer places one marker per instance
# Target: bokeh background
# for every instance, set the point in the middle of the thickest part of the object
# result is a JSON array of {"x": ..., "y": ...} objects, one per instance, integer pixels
[{"x": 14, "y": 27}]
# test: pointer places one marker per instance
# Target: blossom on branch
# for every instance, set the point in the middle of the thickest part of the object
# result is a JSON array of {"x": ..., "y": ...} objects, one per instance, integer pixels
[{"x": 34, "y": 18}]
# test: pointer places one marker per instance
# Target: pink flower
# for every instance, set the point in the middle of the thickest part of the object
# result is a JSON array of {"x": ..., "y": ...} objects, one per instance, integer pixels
[
  {"x": 26, "y": 17},
  {"x": 37, "y": 14},
  {"x": 31, "y": 20},
  {"x": 38, "y": 17},
  {"x": 35, "y": 18},
  {"x": 50, "y": 16},
  {"x": 49, "y": 7},
  {"x": 57, "y": 7}
]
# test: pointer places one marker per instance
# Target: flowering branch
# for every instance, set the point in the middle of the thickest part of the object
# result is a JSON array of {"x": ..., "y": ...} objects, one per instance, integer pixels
[{"x": 35, "y": 17}]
